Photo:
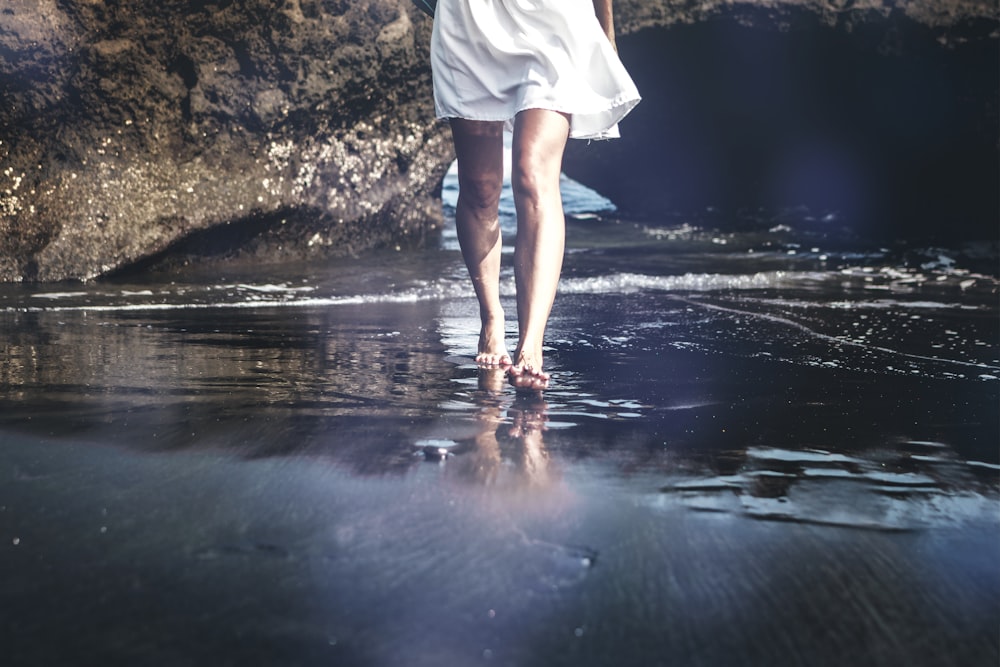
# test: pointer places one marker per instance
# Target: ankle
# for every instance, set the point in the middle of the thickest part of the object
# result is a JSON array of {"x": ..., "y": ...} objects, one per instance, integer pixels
[{"x": 494, "y": 318}]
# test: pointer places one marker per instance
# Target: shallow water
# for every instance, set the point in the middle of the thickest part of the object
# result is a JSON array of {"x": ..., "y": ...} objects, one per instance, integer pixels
[{"x": 774, "y": 445}]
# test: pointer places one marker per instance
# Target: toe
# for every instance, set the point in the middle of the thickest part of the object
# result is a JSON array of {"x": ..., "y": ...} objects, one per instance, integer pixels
[{"x": 492, "y": 360}]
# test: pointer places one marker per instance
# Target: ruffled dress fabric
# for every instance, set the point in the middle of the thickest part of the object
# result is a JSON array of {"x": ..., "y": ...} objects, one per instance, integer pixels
[{"x": 492, "y": 59}]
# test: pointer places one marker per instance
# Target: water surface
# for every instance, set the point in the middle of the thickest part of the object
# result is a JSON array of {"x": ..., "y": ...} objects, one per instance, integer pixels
[{"x": 774, "y": 445}]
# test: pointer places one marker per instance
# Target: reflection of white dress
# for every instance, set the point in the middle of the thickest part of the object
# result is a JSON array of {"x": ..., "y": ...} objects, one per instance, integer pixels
[{"x": 494, "y": 58}]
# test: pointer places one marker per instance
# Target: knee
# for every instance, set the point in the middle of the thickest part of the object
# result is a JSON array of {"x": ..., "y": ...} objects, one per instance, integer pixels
[
  {"x": 533, "y": 183},
  {"x": 481, "y": 192}
]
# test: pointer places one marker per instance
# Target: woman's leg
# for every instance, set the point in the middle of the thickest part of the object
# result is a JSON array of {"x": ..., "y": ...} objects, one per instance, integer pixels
[
  {"x": 539, "y": 141},
  {"x": 479, "y": 148}
]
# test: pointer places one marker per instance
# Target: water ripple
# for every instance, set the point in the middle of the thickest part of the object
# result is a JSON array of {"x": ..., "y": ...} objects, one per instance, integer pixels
[{"x": 913, "y": 486}]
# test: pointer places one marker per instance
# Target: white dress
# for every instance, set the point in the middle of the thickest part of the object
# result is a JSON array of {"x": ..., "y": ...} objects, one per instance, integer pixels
[{"x": 494, "y": 58}]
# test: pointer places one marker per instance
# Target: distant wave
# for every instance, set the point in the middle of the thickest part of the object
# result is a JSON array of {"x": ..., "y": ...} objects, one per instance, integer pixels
[
  {"x": 239, "y": 296},
  {"x": 277, "y": 295},
  {"x": 690, "y": 282},
  {"x": 271, "y": 295}
]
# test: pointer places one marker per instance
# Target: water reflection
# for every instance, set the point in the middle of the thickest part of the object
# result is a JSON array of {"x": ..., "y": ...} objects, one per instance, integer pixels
[
  {"x": 644, "y": 381},
  {"x": 507, "y": 449},
  {"x": 904, "y": 485},
  {"x": 355, "y": 385},
  {"x": 350, "y": 380}
]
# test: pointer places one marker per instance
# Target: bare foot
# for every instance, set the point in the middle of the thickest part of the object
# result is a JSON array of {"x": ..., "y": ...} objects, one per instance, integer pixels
[
  {"x": 527, "y": 373},
  {"x": 492, "y": 349}
]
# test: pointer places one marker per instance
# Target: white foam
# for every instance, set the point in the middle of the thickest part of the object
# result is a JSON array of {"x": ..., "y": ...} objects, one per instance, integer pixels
[
  {"x": 799, "y": 455},
  {"x": 58, "y": 295},
  {"x": 269, "y": 296},
  {"x": 272, "y": 289},
  {"x": 626, "y": 283}
]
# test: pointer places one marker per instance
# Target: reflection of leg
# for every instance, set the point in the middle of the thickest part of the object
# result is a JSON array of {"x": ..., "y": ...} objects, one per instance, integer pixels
[
  {"x": 479, "y": 147},
  {"x": 491, "y": 380},
  {"x": 482, "y": 462},
  {"x": 528, "y": 425},
  {"x": 539, "y": 140}
]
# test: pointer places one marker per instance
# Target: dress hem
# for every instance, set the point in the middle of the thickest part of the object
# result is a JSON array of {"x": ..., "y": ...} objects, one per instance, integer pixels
[{"x": 624, "y": 102}]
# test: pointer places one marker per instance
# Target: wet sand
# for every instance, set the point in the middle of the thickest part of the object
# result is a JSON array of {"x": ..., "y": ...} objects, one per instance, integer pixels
[
  {"x": 341, "y": 486},
  {"x": 197, "y": 558}
]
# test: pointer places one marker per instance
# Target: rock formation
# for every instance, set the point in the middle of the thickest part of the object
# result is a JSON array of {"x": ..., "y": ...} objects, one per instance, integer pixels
[
  {"x": 132, "y": 133},
  {"x": 276, "y": 128},
  {"x": 881, "y": 117}
]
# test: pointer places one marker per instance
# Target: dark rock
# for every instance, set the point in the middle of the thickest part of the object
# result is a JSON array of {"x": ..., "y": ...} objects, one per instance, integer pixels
[
  {"x": 886, "y": 119},
  {"x": 136, "y": 133},
  {"x": 131, "y": 130}
]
